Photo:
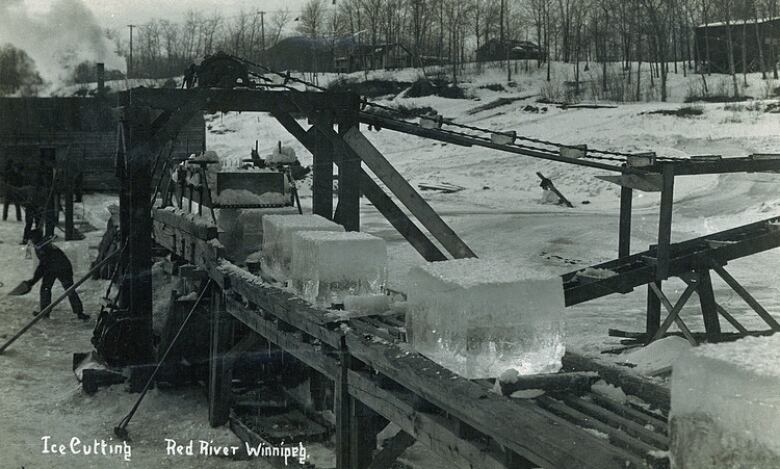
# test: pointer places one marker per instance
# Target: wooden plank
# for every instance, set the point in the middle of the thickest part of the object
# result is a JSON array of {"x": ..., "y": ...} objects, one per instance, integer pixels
[
  {"x": 652, "y": 393},
  {"x": 399, "y": 186},
  {"x": 308, "y": 353},
  {"x": 322, "y": 169},
  {"x": 747, "y": 297},
  {"x": 634, "y": 429},
  {"x": 624, "y": 231},
  {"x": 625, "y": 411},
  {"x": 391, "y": 450},
  {"x": 616, "y": 436},
  {"x": 376, "y": 196},
  {"x": 575, "y": 382},
  {"x": 220, "y": 376},
  {"x": 521, "y": 426},
  {"x": 429, "y": 429},
  {"x": 205, "y": 254},
  {"x": 653, "y": 320}
]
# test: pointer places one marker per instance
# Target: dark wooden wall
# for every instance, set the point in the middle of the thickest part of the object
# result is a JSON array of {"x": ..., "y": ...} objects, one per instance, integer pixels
[{"x": 83, "y": 132}]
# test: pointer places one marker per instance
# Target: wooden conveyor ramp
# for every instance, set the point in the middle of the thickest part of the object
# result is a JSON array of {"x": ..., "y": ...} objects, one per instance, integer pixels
[
  {"x": 373, "y": 368},
  {"x": 716, "y": 249}
]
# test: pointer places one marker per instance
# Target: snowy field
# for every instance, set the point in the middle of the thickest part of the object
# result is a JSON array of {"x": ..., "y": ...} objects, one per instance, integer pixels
[{"x": 498, "y": 214}]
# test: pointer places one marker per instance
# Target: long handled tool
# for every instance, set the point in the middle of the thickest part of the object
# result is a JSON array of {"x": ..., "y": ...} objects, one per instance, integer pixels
[
  {"x": 48, "y": 309},
  {"x": 121, "y": 430}
]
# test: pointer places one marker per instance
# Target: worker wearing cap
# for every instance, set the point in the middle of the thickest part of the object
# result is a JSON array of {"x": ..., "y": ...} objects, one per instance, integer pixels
[{"x": 53, "y": 265}]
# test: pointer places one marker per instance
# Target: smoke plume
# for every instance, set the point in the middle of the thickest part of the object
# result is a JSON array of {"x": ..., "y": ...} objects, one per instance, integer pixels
[{"x": 57, "y": 40}]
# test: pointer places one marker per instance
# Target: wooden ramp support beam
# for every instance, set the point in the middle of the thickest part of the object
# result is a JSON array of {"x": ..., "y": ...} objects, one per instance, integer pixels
[
  {"x": 747, "y": 297},
  {"x": 674, "y": 313},
  {"x": 399, "y": 186},
  {"x": 375, "y": 195},
  {"x": 220, "y": 360}
]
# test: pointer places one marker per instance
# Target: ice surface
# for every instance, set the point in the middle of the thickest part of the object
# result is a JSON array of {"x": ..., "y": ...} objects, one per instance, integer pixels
[
  {"x": 480, "y": 318},
  {"x": 328, "y": 266},
  {"x": 278, "y": 232},
  {"x": 726, "y": 405}
]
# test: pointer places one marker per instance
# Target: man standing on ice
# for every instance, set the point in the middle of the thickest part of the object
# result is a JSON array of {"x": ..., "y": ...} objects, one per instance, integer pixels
[{"x": 53, "y": 265}]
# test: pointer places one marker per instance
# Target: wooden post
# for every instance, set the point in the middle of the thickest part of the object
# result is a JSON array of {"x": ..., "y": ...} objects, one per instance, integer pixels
[
  {"x": 343, "y": 409},
  {"x": 624, "y": 236},
  {"x": 219, "y": 360},
  {"x": 653, "y": 322},
  {"x": 348, "y": 210},
  {"x": 709, "y": 309},
  {"x": 362, "y": 432},
  {"x": 322, "y": 174},
  {"x": 665, "y": 224}
]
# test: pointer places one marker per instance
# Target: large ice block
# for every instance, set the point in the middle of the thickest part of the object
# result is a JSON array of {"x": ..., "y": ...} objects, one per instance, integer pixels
[
  {"x": 726, "y": 405},
  {"x": 328, "y": 266},
  {"x": 480, "y": 318},
  {"x": 278, "y": 232}
]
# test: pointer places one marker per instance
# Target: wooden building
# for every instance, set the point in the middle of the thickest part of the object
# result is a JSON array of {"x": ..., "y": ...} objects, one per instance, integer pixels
[
  {"x": 495, "y": 49},
  {"x": 80, "y": 131},
  {"x": 373, "y": 57},
  {"x": 713, "y": 51}
]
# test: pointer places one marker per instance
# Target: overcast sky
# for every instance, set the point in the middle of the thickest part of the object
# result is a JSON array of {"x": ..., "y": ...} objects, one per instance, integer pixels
[{"x": 119, "y": 13}]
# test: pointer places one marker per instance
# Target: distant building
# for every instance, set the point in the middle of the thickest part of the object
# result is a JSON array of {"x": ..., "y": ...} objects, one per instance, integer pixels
[
  {"x": 343, "y": 55},
  {"x": 494, "y": 49},
  {"x": 714, "y": 36},
  {"x": 367, "y": 57}
]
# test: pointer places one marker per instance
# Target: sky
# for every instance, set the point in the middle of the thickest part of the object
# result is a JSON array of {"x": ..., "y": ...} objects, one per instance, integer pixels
[{"x": 120, "y": 13}]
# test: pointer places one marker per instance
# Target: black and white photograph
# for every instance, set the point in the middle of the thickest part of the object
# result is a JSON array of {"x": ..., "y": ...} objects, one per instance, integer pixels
[{"x": 390, "y": 234}]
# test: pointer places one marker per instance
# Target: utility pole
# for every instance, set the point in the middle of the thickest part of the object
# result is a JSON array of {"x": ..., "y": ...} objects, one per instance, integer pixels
[
  {"x": 130, "y": 62},
  {"x": 262, "y": 37}
]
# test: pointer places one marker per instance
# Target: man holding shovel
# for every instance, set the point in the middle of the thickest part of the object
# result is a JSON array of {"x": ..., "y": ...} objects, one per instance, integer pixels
[{"x": 53, "y": 265}]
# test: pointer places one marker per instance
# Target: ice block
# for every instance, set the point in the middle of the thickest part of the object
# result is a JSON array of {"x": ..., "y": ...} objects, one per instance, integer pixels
[{"x": 278, "y": 232}]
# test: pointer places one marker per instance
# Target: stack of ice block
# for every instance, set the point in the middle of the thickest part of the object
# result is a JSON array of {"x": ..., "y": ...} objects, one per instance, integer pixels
[
  {"x": 726, "y": 405},
  {"x": 241, "y": 230},
  {"x": 480, "y": 318},
  {"x": 328, "y": 266},
  {"x": 278, "y": 233}
]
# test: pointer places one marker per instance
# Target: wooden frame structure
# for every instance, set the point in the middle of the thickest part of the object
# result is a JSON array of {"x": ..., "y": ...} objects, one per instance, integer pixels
[{"x": 376, "y": 378}]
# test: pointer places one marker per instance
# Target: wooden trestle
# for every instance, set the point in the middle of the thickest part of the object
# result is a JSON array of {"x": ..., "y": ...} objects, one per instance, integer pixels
[{"x": 373, "y": 371}]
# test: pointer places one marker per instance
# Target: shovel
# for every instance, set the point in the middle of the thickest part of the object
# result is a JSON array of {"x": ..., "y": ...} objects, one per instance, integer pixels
[{"x": 22, "y": 289}]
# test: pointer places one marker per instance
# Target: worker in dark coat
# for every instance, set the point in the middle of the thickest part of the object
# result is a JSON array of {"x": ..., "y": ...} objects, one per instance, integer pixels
[
  {"x": 53, "y": 265},
  {"x": 11, "y": 179},
  {"x": 33, "y": 199}
]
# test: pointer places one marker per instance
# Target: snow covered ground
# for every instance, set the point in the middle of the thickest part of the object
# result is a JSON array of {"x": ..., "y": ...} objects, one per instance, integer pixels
[{"x": 498, "y": 214}]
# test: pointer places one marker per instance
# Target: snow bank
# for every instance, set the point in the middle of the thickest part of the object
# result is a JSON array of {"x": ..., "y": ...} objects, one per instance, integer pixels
[
  {"x": 480, "y": 317},
  {"x": 726, "y": 406},
  {"x": 328, "y": 266},
  {"x": 278, "y": 231}
]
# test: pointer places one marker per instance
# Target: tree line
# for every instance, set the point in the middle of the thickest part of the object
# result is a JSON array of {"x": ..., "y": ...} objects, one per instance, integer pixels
[{"x": 647, "y": 37}]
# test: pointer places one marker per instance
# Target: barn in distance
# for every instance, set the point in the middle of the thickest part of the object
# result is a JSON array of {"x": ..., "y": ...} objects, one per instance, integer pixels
[{"x": 750, "y": 39}]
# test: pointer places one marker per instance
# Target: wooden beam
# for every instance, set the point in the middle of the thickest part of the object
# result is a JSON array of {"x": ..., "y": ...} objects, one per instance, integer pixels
[
  {"x": 728, "y": 317},
  {"x": 574, "y": 382},
  {"x": 521, "y": 426},
  {"x": 399, "y": 186},
  {"x": 391, "y": 450},
  {"x": 342, "y": 409},
  {"x": 654, "y": 394},
  {"x": 674, "y": 313},
  {"x": 429, "y": 428},
  {"x": 653, "y": 320},
  {"x": 350, "y": 171},
  {"x": 198, "y": 226},
  {"x": 665, "y": 224},
  {"x": 624, "y": 231},
  {"x": 747, "y": 297},
  {"x": 709, "y": 308},
  {"x": 641, "y": 182},
  {"x": 220, "y": 376}
]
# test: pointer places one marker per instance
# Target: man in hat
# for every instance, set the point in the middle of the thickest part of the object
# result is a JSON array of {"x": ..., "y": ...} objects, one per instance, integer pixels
[
  {"x": 53, "y": 265},
  {"x": 11, "y": 178}
]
